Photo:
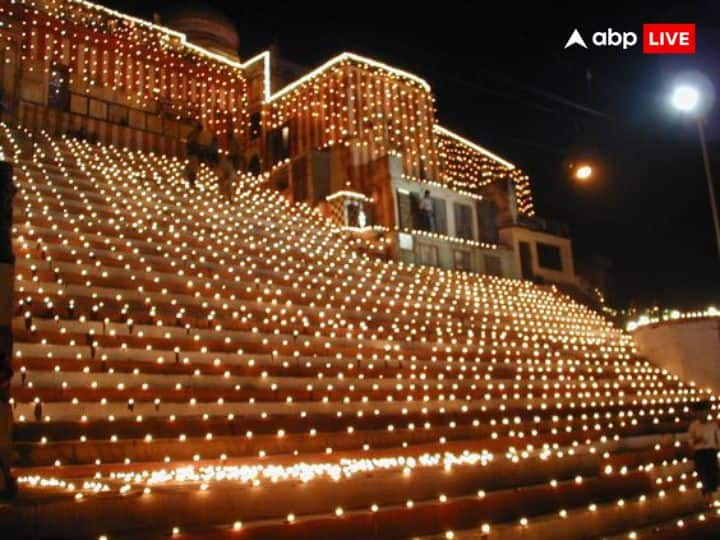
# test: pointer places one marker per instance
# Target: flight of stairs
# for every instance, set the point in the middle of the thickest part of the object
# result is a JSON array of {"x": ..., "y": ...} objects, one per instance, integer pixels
[{"x": 197, "y": 368}]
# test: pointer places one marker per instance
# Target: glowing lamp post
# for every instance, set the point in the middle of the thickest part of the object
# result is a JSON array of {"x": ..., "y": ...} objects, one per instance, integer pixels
[
  {"x": 583, "y": 172},
  {"x": 685, "y": 98},
  {"x": 689, "y": 99}
]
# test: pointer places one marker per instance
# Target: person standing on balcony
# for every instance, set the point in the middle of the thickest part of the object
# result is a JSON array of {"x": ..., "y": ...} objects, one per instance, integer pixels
[
  {"x": 704, "y": 442},
  {"x": 426, "y": 212},
  {"x": 9, "y": 484}
]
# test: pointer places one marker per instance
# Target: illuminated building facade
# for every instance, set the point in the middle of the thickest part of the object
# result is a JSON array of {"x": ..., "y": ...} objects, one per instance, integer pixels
[{"x": 354, "y": 137}]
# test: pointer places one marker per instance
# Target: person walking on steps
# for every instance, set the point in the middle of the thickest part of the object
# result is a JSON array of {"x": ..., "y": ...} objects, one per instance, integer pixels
[
  {"x": 8, "y": 489},
  {"x": 704, "y": 442}
]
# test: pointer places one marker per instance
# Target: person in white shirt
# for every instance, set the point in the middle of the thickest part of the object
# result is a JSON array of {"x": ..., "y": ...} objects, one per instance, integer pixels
[
  {"x": 426, "y": 212},
  {"x": 704, "y": 442}
]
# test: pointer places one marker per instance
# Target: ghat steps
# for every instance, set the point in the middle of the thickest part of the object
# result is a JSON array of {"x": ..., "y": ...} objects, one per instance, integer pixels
[{"x": 240, "y": 369}]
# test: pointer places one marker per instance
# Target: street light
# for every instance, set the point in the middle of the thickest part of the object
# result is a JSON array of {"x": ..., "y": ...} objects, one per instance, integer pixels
[
  {"x": 696, "y": 99},
  {"x": 685, "y": 98},
  {"x": 583, "y": 172}
]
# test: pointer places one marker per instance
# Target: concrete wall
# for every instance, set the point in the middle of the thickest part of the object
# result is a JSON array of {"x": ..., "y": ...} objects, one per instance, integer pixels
[
  {"x": 446, "y": 249},
  {"x": 688, "y": 349},
  {"x": 416, "y": 242},
  {"x": 512, "y": 236},
  {"x": 449, "y": 196}
]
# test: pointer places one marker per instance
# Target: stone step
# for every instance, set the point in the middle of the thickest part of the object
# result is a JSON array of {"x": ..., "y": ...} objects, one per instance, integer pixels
[
  {"x": 594, "y": 521},
  {"x": 248, "y": 437},
  {"x": 702, "y": 524},
  {"x": 271, "y": 503}
]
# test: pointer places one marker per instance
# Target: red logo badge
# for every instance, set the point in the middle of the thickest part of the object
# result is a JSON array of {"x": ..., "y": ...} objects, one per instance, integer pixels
[{"x": 669, "y": 38}]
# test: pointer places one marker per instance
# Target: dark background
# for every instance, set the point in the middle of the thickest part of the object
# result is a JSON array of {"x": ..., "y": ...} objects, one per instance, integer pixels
[{"x": 502, "y": 78}]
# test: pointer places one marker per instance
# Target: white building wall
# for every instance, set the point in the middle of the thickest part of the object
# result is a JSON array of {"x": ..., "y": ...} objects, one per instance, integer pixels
[
  {"x": 688, "y": 349},
  {"x": 446, "y": 245}
]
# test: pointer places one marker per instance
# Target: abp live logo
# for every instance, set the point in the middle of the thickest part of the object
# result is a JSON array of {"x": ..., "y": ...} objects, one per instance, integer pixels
[
  {"x": 658, "y": 38},
  {"x": 669, "y": 38}
]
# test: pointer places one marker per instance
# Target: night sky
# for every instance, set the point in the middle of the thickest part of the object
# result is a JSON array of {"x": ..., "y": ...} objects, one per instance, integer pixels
[{"x": 502, "y": 78}]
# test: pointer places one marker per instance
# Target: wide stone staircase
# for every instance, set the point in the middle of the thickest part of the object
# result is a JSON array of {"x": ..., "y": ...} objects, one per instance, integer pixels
[{"x": 193, "y": 367}]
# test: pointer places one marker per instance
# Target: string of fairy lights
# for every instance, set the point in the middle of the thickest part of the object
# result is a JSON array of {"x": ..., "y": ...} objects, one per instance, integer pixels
[
  {"x": 467, "y": 167},
  {"x": 670, "y": 476},
  {"x": 371, "y": 108},
  {"x": 671, "y": 315},
  {"x": 112, "y": 56}
]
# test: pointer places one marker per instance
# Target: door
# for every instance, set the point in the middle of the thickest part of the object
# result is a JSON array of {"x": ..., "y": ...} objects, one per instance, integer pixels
[
  {"x": 526, "y": 261},
  {"x": 463, "y": 221},
  {"x": 407, "y": 210}
]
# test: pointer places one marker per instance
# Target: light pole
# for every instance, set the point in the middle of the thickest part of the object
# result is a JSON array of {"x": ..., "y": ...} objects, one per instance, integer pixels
[
  {"x": 711, "y": 185},
  {"x": 687, "y": 99}
]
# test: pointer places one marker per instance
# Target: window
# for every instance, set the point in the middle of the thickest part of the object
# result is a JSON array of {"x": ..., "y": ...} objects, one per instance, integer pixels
[
  {"x": 549, "y": 256},
  {"x": 463, "y": 221},
  {"x": 405, "y": 210},
  {"x": 300, "y": 179},
  {"x": 439, "y": 215},
  {"x": 254, "y": 167},
  {"x": 526, "y": 265},
  {"x": 353, "y": 210},
  {"x": 462, "y": 259},
  {"x": 279, "y": 144},
  {"x": 487, "y": 221},
  {"x": 59, "y": 88},
  {"x": 428, "y": 254},
  {"x": 405, "y": 241},
  {"x": 255, "y": 125},
  {"x": 492, "y": 265}
]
